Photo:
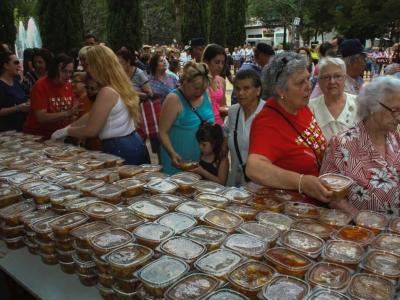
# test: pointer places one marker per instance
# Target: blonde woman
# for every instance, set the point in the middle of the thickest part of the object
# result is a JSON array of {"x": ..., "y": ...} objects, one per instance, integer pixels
[
  {"x": 183, "y": 111},
  {"x": 114, "y": 112}
]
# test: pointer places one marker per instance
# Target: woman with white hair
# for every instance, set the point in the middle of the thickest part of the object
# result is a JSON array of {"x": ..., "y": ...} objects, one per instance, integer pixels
[
  {"x": 369, "y": 152},
  {"x": 334, "y": 110}
]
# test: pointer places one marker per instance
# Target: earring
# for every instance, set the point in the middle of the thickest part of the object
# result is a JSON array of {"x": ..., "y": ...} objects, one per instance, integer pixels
[{"x": 282, "y": 97}]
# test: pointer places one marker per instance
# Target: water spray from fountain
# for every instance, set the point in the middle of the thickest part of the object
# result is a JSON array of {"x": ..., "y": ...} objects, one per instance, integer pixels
[{"x": 29, "y": 38}]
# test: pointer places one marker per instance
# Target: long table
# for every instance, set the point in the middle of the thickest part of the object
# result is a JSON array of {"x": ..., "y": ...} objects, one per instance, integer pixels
[{"x": 43, "y": 281}]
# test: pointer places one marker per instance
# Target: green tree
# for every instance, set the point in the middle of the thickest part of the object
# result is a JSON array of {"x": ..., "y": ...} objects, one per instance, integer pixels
[
  {"x": 95, "y": 14},
  {"x": 61, "y": 25},
  {"x": 217, "y": 30},
  {"x": 124, "y": 24},
  {"x": 235, "y": 22},
  {"x": 7, "y": 26},
  {"x": 194, "y": 19},
  {"x": 24, "y": 9}
]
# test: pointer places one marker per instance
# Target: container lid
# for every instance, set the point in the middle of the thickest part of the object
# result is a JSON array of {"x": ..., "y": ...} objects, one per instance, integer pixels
[
  {"x": 17, "y": 209},
  {"x": 301, "y": 210},
  {"x": 100, "y": 209},
  {"x": 77, "y": 168},
  {"x": 280, "y": 221},
  {"x": 303, "y": 242},
  {"x": 284, "y": 287},
  {"x": 9, "y": 191},
  {"x": 245, "y": 244},
  {"x": 33, "y": 216},
  {"x": 151, "y": 167},
  {"x": 368, "y": 286},
  {"x": 213, "y": 200},
  {"x": 223, "y": 219},
  {"x": 108, "y": 191},
  {"x": 153, "y": 232},
  {"x": 219, "y": 262},
  {"x": 161, "y": 186},
  {"x": 69, "y": 221},
  {"x": 207, "y": 235},
  {"x": 90, "y": 185},
  {"x": 43, "y": 225},
  {"x": 177, "y": 221},
  {"x": 20, "y": 178},
  {"x": 124, "y": 219},
  {"x": 163, "y": 272},
  {"x": 268, "y": 233},
  {"x": 371, "y": 219},
  {"x": 343, "y": 251},
  {"x": 354, "y": 233},
  {"x": 251, "y": 275},
  {"x": 183, "y": 248},
  {"x": 168, "y": 200},
  {"x": 387, "y": 242},
  {"x": 57, "y": 175},
  {"x": 193, "y": 208},
  {"x": 334, "y": 217},
  {"x": 26, "y": 186},
  {"x": 185, "y": 178},
  {"x": 86, "y": 231},
  {"x": 64, "y": 195},
  {"x": 237, "y": 195},
  {"x": 394, "y": 225},
  {"x": 193, "y": 286},
  {"x": 92, "y": 163},
  {"x": 382, "y": 263},
  {"x": 129, "y": 256},
  {"x": 329, "y": 275},
  {"x": 129, "y": 183},
  {"x": 336, "y": 182},
  {"x": 226, "y": 294},
  {"x": 322, "y": 294},
  {"x": 108, "y": 158},
  {"x": 72, "y": 181},
  {"x": 205, "y": 186},
  {"x": 148, "y": 209},
  {"x": 147, "y": 176},
  {"x": 244, "y": 211},
  {"x": 44, "y": 190},
  {"x": 42, "y": 170},
  {"x": 79, "y": 203},
  {"x": 314, "y": 227},
  {"x": 110, "y": 239},
  {"x": 130, "y": 170},
  {"x": 288, "y": 258}
]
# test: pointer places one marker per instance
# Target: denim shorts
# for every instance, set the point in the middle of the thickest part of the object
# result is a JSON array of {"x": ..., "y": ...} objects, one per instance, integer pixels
[{"x": 130, "y": 147}]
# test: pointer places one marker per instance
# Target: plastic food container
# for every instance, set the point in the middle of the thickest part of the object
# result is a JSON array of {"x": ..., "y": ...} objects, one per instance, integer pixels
[
  {"x": 374, "y": 221},
  {"x": 346, "y": 253},
  {"x": 107, "y": 175},
  {"x": 184, "y": 248},
  {"x": 9, "y": 195},
  {"x": 370, "y": 287},
  {"x": 64, "y": 244},
  {"x": 161, "y": 186},
  {"x": 387, "y": 242},
  {"x": 338, "y": 184},
  {"x": 314, "y": 227},
  {"x": 148, "y": 209},
  {"x": 108, "y": 240},
  {"x": 185, "y": 182},
  {"x": 213, "y": 200},
  {"x": 67, "y": 268},
  {"x": 322, "y": 294},
  {"x": 147, "y": 176},
  {"x": 246, "y": 212},
  {"x": 11, "y": 214},
  {"x": 382, "y": 263},
  {"x": 127, "y": 259},
  {"x": 151, "y": 168},
  {"x": 61, "y": 226},
  {"x": 26, "y": 186},
  {"x": 46, "y": 248},
  {"x": 71, "y": 182},
  {"x": 188, "y": 165},
  {"x": 41, "y": 193},
  {"x": 125, "y": 219},
  {"x": 250, "y": 277},
  {"x": 57, "y": 176},
  {"x": 42, "y": 229},
  {"x": 88, "y": 186},
  {"x": 178, "y": 222},
  {"x": 355, "y": 234},
  {"x": 92, "y": 164},
  {"x": 287, "y": 261},
  {"x": 264, "y": 232},
  {"x": 126, "y": 287},
  {"x": 279, "y": 221},
  {"x": 49, "y": 259},
  {"x": 64, "y": 256},
  {"x": 218, "y": 263},
  {"x": 100, "y": 210},
  {"x": 168, "y": 200},
  {"x": 101, "y": 265},
  {"x": 88, "y": 280},
  {"x": 246, "y": 245},
  {"x": 394, "y": 225},
  {"x": 302, "y": 242},
  {"x": 160, "y": 274},
  {"x": 15, "y": 243},
  {"x": 226, "y": 294},
  {"x": 193, "y": 208},
  {"x": 269, "y": 203},
  {"x": 57, "y": 199},
  {"x": 21, "y": 178},
  {"x": 79, "y": 204},
  {"x": 43, "y": 171},
  {"x": 284, "y": 287},
  {"x": 105, "y": 280},
  {"x": 77, "y": 168},
  {"x": 152, "y": 234},
  {"x": 128, "y": 171},
  {"x": 211, "y": 237},
  {"x": 132, "y": 186},
  {"x": 301, "y": 210},
  {"x": 109, "y": 193},
  {"x": 109, "y": 159},
  {"x": 328, "y": 275},
  {"x": 223, "y": 219},
  {"x": 193, "y": 286},
  {"x": 334, "y": 217},
  {"x": 84, "y": 254},
  {"x": 204, "y": 186},
  {"x": 237, "y": 195},
  {"x": 29, "y": 218}
]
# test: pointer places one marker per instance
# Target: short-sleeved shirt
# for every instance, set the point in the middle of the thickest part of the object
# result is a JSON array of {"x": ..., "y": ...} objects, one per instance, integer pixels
[
  {"x": 273, "y": 137},
  {"x": 162, "y": 88},
  {"x": 53, "y": 98},
  {"x": 139, "y": 79},
  {"x": 11, "y": 95}
]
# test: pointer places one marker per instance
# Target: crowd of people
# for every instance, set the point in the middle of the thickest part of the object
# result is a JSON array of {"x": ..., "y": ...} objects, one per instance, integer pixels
[{"x": 294, "y": 114}]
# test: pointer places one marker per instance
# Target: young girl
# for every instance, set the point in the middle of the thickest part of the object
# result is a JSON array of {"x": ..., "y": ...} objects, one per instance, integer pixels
[{"x": 213, "y": 164}]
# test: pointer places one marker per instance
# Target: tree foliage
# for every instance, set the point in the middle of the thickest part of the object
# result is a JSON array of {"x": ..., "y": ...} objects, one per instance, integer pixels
[
  {"x": 95, "y": 14},
  {"x": 235, "y": 22},
  {"x": 194, "y": 19},
  {"x": 7, "y": 26},
  {"x": 217, "y": 30}
]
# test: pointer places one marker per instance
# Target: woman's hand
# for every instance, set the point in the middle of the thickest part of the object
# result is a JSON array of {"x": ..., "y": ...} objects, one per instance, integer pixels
[
  {"x": 314, "y": 187},
  {"x": 24, "y": 107},
  {"x": 199, "y": 170},
  {"x": 176, "y": 160},
  {"x": 60, "y": 134}
]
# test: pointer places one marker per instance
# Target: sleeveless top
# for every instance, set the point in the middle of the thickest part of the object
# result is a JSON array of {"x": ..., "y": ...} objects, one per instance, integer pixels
[
  {"x": 119, "y": 122},
  {"x": 209, "y": 167},
  {"x": 217, "y": 97}
]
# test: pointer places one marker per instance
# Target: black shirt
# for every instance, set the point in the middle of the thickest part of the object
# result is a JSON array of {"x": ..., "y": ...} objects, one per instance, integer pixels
[{"x": 11, "y": 95}]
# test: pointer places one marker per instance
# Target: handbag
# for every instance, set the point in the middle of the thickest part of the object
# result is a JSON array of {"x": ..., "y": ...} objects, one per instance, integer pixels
[
  {"x": 150, "y": 114},
  {"x": 235, "y": 141}
]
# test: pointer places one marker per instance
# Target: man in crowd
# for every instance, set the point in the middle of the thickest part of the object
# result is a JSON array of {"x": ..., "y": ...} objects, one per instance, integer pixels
[
  {"x": 90, "y": 40},
  {"x": 196, "y": 48}
]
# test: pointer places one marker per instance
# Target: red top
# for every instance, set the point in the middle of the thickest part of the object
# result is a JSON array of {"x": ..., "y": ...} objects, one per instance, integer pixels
[
  {"x": 46, "y": 95},
  {"x": 273, "y": 137}
]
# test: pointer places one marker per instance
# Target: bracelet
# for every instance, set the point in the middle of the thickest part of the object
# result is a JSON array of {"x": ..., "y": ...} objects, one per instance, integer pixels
[{"x": 301, "y": 177}]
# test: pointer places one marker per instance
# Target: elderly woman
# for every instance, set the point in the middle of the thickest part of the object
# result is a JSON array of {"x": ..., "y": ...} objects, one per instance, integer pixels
[
  {"x": 247, "y": 85},
  {"x": 334, "y": 110},
  {"x": 369, "y": 152},
  {"x": 286, "y": 143},
  {"x": 183, "y": 111}
]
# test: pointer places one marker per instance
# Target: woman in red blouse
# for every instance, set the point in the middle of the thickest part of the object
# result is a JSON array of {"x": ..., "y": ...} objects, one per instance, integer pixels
[{"x": 286, "y": 143}]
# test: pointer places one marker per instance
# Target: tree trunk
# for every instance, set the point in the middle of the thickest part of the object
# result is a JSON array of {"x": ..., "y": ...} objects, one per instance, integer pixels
[{"x": 178, "y": 20}]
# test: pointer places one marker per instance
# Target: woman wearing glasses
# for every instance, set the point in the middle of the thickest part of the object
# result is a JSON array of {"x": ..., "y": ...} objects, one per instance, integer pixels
[
  {"x": 369, "y": 152},
  {"x": 334, "y": 110},
  {"x": 14, "y": 102},
  {"x": 286, "y": 143}
]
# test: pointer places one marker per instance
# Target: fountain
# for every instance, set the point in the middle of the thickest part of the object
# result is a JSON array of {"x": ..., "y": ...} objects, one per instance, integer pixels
[{"x": 29, "y": 38}]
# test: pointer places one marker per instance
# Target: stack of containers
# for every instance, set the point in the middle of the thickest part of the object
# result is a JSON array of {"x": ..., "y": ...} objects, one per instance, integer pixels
[
  {"x": 43, "y": 236},
  {"x": 58, "y": 199}
]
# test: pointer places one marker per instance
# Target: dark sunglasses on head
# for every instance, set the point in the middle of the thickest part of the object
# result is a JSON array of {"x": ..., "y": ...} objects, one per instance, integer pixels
[{"x": 16, "y": 62}]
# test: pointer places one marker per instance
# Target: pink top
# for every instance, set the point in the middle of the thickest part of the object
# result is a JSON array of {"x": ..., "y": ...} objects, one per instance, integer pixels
[{"x": 217, "y": 96}]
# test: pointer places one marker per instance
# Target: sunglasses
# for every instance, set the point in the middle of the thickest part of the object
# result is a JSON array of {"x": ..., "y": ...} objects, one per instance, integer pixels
[{"x": 16, "y": 62}]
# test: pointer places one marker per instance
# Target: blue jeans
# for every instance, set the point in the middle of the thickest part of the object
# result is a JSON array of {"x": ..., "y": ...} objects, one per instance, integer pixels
[{"x": 131, "y": 148}]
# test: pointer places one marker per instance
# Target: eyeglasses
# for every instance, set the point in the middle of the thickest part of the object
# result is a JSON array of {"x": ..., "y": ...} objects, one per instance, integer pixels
[
  {"x": 332, "y": 77},
  {"x": 394, "y": 112},
  {"x": 16, "y": 62}
]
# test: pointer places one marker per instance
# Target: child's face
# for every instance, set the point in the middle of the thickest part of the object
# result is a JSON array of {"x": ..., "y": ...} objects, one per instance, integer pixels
[
  {"x": 78, "y": 85},
  {"x": 206, "y": 148}
]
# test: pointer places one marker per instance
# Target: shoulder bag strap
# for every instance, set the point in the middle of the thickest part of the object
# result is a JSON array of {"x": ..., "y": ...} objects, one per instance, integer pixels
[
  {"x": 194, "y": 109},
  {"x": 235, "y": 139}
]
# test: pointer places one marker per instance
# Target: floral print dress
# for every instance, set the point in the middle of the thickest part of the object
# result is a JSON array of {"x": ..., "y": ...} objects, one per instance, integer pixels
[{"x": 376, "y": 179}]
